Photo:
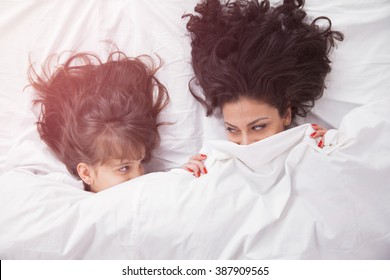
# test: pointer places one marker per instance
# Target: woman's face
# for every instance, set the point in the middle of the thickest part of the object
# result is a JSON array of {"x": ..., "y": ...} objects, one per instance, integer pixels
[{"x": 248, "y": 120}]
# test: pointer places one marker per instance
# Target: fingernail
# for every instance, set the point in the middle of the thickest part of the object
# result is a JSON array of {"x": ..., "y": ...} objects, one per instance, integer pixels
[
  {"x": 189, "y": 169},
  {"x": 320, "y": 144},
  {"x": 311, "y": 135},
  {"x": 203, "y": 155},
  {"x": 198, "y": 173},
  {"x": 314, "y": 124},
  {"x": 205, "y": 170}
]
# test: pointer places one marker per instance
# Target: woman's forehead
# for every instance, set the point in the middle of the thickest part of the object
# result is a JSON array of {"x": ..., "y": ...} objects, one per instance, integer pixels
[{"x": 246, "y": 106}]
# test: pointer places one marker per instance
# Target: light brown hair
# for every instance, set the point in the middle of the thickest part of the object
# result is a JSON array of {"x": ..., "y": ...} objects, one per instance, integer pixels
[{"x": 92, "y": 111}]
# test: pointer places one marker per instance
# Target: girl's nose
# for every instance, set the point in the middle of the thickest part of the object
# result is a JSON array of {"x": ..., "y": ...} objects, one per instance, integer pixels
[{"x": 140, "y": 170}]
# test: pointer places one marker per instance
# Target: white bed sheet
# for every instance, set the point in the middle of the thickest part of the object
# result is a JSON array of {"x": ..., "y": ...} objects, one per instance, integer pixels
[
  {"x": 280, "y": 198},
  {"x": 331, "y": 203}
]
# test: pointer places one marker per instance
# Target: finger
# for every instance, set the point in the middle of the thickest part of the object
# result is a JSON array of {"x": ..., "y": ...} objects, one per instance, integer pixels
[
  {"x": 321, "y": 133},
  {"x": 321, "y": 143},
  {"x": 199, "y": 157},
  {"x": 193, "y": 168},
  {"x": 318, "y": 133},
  {"x": 197, "y": 172},
  {"x": 187, "y": 168},
  {"x": 317, "y": 127},
  {"x": 200, "y": 165}
]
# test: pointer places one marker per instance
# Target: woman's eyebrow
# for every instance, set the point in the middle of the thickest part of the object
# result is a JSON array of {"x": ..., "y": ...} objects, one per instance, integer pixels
[
  {"x": 251, "y": 123},
  {"x": 256, "y": 120},
  {"x": 230, "y": 124}
]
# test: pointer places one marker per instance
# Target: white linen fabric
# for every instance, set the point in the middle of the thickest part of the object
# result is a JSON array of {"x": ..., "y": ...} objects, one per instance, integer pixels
[{"x": 281, "y": 198}]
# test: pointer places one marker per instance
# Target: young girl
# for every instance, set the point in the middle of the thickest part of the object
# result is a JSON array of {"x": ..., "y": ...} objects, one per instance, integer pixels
[
  {"x": 100, "y": 119},
  {"x": 259, "y": 65}
]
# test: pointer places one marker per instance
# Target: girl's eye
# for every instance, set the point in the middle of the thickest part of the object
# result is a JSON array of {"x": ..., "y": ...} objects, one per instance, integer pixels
[
  {"x": 124, "y": 169},
  {"x": 258, "y": 127}
]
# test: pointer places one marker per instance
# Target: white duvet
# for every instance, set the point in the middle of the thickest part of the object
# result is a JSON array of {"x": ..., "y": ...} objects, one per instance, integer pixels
[{"x": 280, "y": 198}]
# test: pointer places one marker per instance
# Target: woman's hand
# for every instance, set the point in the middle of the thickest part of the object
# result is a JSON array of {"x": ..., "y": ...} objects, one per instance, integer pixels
[
  {"x": 195, "y": 165},
  {"x": 319, "y": 132}
]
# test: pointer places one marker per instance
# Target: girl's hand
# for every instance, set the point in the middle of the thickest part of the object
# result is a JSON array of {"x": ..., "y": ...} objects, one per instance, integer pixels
[
  {"x": 195, "y": 165},
  {"x": 319, "y": 132}
]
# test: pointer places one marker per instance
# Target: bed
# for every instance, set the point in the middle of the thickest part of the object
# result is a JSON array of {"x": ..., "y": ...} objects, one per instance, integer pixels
[{"x": 281, "y": 198}]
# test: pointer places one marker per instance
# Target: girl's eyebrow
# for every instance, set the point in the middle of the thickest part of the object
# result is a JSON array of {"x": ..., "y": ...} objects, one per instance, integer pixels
[
  {"x": 125, "y": 162},
  {"x": 251, "y": 123}
]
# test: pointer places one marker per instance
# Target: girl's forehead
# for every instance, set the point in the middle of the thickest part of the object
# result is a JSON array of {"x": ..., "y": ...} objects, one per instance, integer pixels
[
  {"x": 128, "y": 153},
  {"x": 121, "y": 161},
  {"x": 123, "y": 151}
]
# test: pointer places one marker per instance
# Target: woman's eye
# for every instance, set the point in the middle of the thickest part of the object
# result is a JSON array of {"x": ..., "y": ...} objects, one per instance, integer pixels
[
  {"x": 258, "y": 127},
  {"x": 231, "y": 129}
]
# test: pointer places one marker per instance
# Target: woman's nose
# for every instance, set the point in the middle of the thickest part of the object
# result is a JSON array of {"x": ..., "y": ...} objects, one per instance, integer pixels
[
  {"x": 247, "y": 139},
  {"x": 244, "y": 139}
]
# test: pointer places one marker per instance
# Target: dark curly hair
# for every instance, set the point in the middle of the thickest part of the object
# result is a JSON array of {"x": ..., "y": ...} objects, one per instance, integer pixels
[
  {"x": 248, "y": 48},
  {"x": 92, "y": 111}
]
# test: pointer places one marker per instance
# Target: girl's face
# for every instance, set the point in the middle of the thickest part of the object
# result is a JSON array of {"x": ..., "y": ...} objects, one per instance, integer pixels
[
  {"x": 111, "y": 173},
  {"x": 114, "y": 172},
  {"x": 248, "y": 120}
]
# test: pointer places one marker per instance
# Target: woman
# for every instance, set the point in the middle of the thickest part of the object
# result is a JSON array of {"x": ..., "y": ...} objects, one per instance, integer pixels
[{"x": 259, "y": 65}]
